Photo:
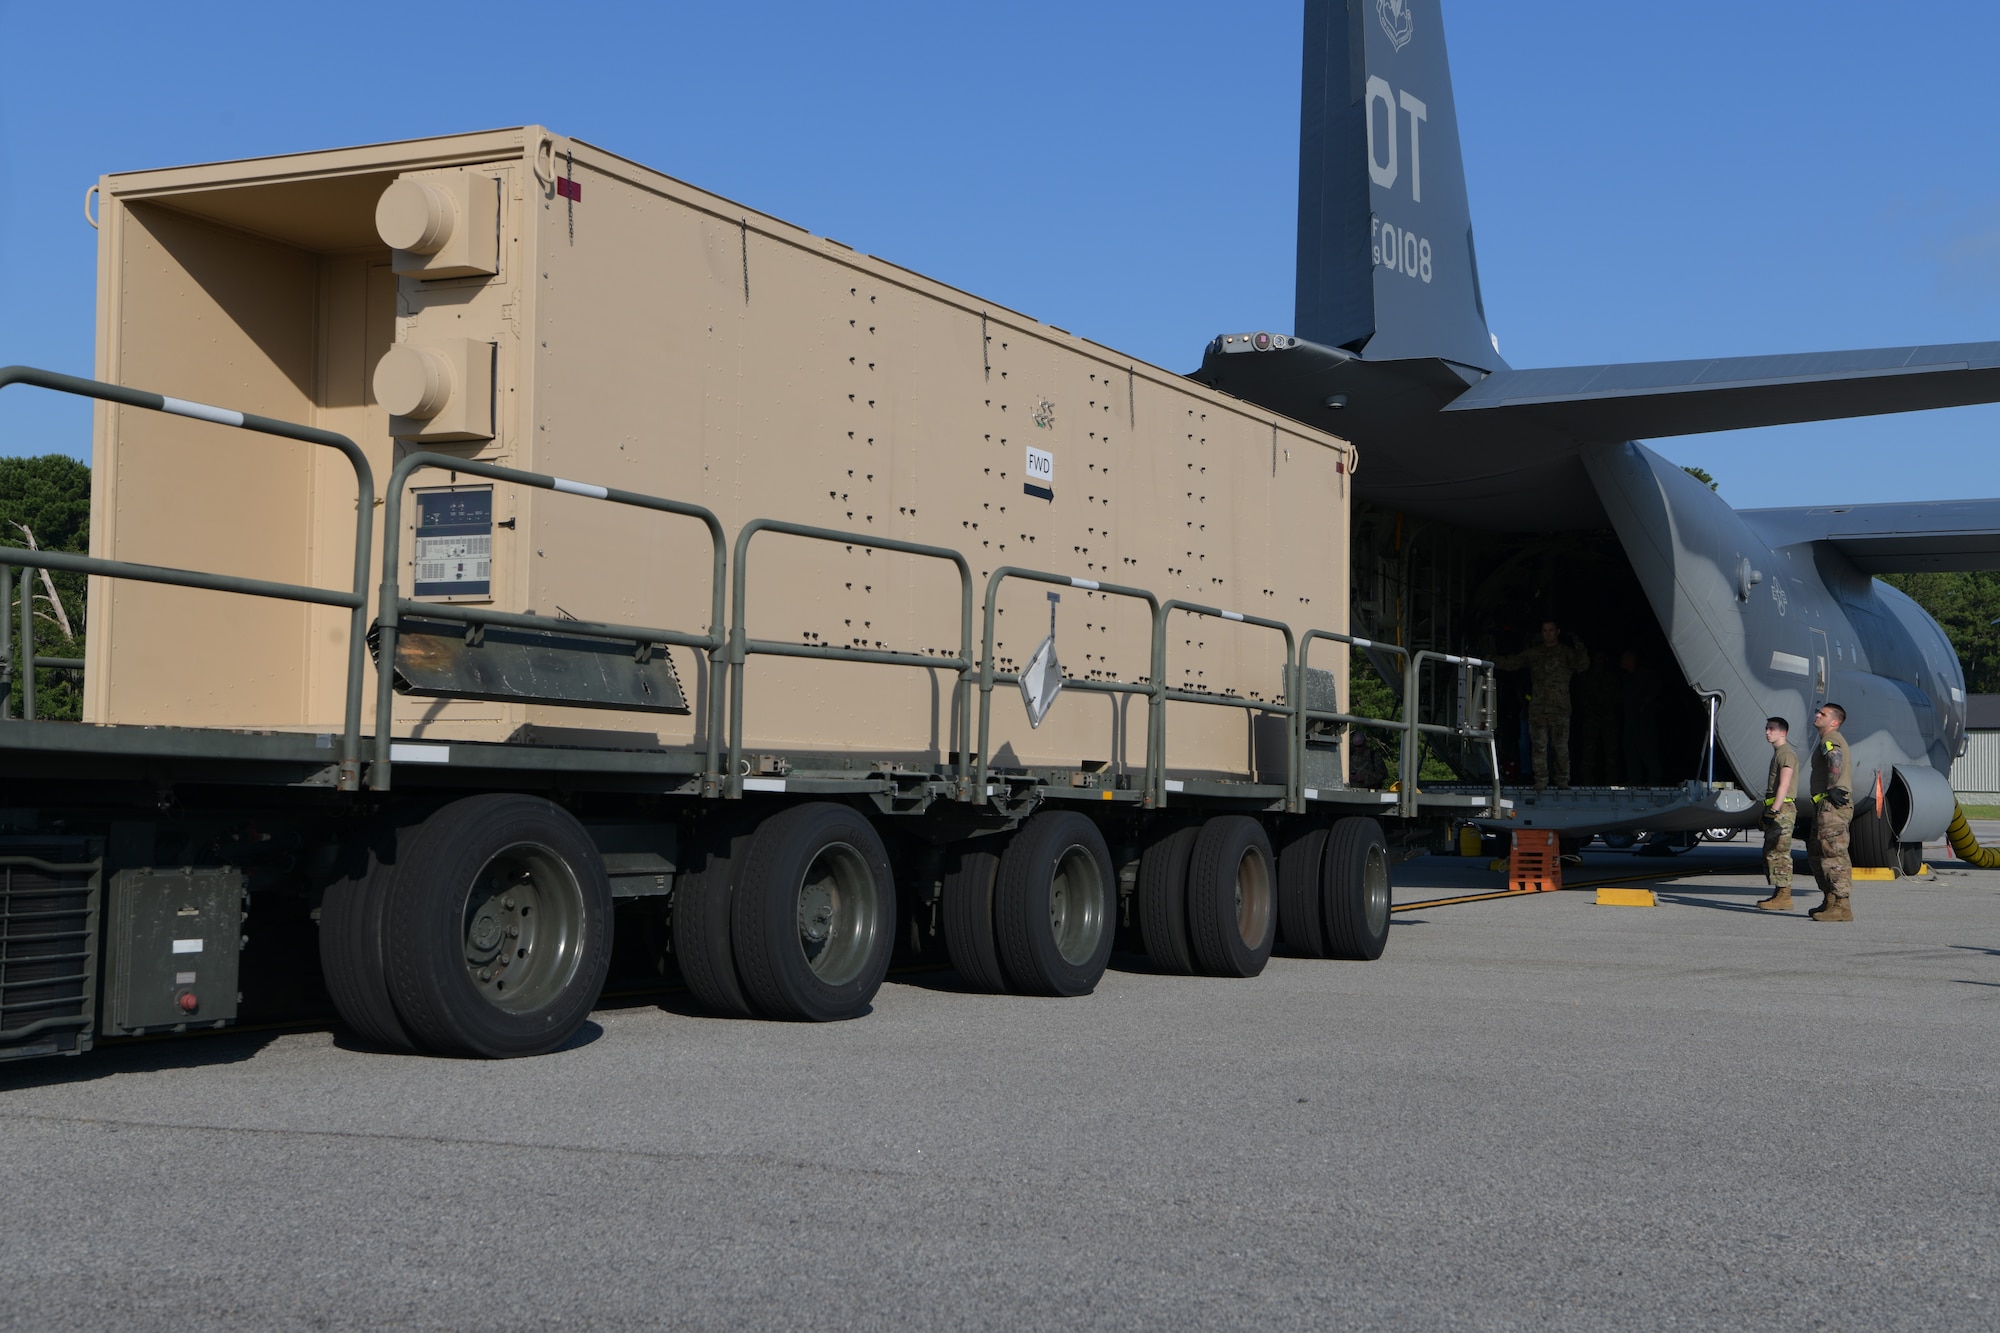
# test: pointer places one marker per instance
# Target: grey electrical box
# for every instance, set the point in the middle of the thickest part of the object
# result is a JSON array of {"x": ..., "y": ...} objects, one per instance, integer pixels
[
  {"x": 175, "y": 939},
  {"x": 1475, "y": 700},
  {"x": 1320, "y": 764}
]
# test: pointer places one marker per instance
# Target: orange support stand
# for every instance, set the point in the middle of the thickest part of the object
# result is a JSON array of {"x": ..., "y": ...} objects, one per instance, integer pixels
[{"x": 1536, "y": 863}]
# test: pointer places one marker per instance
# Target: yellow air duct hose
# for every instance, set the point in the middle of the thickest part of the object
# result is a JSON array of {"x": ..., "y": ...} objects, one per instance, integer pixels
[{"x": 1965, "y": 846}]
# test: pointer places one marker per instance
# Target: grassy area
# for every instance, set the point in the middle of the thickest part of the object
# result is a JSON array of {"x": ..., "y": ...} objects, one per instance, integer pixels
[{"x": 1981, "y": 811}]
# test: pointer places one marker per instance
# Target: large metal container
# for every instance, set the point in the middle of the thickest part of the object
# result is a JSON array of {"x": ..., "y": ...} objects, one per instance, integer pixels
[{"x": 557, "y": 308}]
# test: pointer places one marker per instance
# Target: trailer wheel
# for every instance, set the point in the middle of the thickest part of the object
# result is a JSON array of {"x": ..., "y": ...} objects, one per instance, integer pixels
[
  {"x": 352, "y": 918},
  {"x": 1232, "y": 897},
  {"x": 499, "y": 927},
  {"x": 702, "y": 945},
  {"x": 1357, "y": 889},
  {"x": 969, "y": 935},
  {"x": 1055, "y": 902},
  {"x": 1301, "y": 916},
  {"x": 814, "y": 914},
  {"x": 1163, "y": 923}
]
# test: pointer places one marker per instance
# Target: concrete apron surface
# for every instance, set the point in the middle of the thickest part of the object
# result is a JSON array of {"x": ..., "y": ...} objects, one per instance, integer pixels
[{"x": 1533, "y": 1111}]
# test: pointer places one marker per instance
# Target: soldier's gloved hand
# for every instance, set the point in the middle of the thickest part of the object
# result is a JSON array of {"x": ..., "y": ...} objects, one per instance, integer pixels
[
  {"x": 1838, "y": 799},
  {"x": 1768, "y": 822}
]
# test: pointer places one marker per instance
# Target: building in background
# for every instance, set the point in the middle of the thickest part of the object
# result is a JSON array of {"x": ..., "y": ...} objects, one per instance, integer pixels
[{"x": 1975, "y": 775}]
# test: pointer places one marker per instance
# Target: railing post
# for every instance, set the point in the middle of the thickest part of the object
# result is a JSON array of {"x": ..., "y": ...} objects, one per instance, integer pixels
[
  {"x": 6, "y": 641},
  {"x": 1406, "y": 776},
  {"x": 27, "y": 647}
]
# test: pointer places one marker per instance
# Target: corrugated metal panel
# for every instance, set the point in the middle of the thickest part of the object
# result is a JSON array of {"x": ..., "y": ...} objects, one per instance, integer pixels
[{"x": 1978, "y": 769}]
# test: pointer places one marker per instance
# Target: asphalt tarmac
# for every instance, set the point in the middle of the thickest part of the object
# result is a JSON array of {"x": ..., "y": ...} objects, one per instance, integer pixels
[{"x": 1535, "y": 1111}]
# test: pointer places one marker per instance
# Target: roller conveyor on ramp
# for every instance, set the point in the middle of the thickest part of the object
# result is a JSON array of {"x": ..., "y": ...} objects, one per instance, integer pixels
[{"x": 1585, "y": 811}]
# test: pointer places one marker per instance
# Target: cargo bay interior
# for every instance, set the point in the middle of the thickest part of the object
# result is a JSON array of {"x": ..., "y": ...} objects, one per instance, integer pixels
[{"x": 1422, "y": 583}]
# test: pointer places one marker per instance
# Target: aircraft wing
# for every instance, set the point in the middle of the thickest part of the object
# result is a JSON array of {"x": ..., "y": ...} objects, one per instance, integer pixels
[
  {"x": 1892, "y": 538},
  {"x": 1648, "y": 399}
]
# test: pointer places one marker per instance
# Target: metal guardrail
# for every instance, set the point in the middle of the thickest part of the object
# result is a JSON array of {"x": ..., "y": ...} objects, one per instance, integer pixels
[
  {"x": 742, "y": 647},
  {"x": 1294, "y": 753},
  {"x": 726, "y": 640},
  {"x": 393, "y": 603},
  {"x": 1465, "y": 727},
  {"x": 989, "y": 676},
  {"x": 1306, "y": 716},
  {"x": 355, "y": 600},
  {"x": 30, "y": 660}
]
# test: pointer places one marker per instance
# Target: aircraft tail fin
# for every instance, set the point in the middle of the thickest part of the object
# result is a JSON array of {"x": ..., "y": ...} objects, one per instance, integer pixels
[{"x": 1386, "y": 263}]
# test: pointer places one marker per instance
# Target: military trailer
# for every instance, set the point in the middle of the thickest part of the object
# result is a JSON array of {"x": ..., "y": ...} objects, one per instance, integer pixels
[{"x": 515, "y": 568}]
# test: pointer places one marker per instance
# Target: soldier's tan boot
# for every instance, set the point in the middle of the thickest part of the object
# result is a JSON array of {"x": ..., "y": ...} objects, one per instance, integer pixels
[
  {"x": 1779, "y": 901},
  {"x": 1833, "y": 909}
]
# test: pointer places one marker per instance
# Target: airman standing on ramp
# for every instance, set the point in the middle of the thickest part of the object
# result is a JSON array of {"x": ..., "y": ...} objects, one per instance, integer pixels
[
  {"x": 1833, "y": 814},
  {"x": 1780, "y": 813},
  {"x": 1550, "y": 664}
]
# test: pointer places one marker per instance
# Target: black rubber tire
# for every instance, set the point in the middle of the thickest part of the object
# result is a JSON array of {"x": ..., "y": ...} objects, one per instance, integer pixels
[
  {"x": 1025, "y": 902},
  {"x": 1357, "y": 890},
  {"x": 1301, "y": 919},
  {"x": 1233, "y": 925},
  {"x": 1163, "y": 900},
  {"x": 969, "y": 935},
  {"x": 437, "y": 873},
  {"x": 702, "y": 929},
  {"x": 767, "y": 914},
  {"x": 1871, "y": 842},
  {"x": 1909, "y": 858},
  {"x": 353, "y": 918}
]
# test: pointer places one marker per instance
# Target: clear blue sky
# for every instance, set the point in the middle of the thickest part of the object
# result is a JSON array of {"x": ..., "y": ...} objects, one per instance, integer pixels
[{"x": 1648, "y": 181}]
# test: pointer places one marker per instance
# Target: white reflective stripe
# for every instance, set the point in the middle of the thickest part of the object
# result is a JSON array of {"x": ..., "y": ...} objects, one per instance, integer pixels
[
  {"x": 581, "y": 488},
  {"x": 1362, "y": 643},
  {"x": 1453, "y": 661},
  {"x": 1791, "y": 664},
  {"x": 1232, "y": 615},
  {"x": 1085, "y": 583},
  {"x": 401, "y": 753},
  {"x": 763, "y": 784},
  {"x": 1174, "y": 785},
  {"x": 187, "y": 946},
  {"x": 1312, "y": 793},
  {"x": 181, "y": 407}
]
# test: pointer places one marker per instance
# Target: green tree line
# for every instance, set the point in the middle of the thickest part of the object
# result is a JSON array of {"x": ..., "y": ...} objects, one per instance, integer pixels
[
  {"x": 1965, "y": 604},
  {"x": 45, "y": 502}
]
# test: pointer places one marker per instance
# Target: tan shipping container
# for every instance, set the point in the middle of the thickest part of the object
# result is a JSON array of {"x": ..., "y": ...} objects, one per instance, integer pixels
[{"x": 562, "y": 310}]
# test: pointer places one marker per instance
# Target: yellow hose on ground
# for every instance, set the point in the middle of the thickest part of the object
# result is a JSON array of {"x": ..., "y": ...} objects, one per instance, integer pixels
[{"x": 1965, "y": 846}]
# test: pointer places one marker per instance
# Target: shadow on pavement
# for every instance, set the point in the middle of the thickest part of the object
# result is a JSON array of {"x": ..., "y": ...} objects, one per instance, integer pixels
[
  {"x": 145, "y": 1055},
  {"x": 1693, "y": 900}
]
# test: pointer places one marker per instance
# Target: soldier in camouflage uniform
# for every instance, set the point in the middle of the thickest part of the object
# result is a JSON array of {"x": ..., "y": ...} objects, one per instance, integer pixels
[
  {"x": 1780, "y": 813},
  {"x": 1833, "y": 813},
  {"x": 1550, "y": 664}
]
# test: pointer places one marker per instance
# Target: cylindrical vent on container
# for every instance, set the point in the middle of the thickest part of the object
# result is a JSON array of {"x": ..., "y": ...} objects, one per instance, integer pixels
[
  {"x": 413, "y": 382},
  {"x": 415, "y": 216}
]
